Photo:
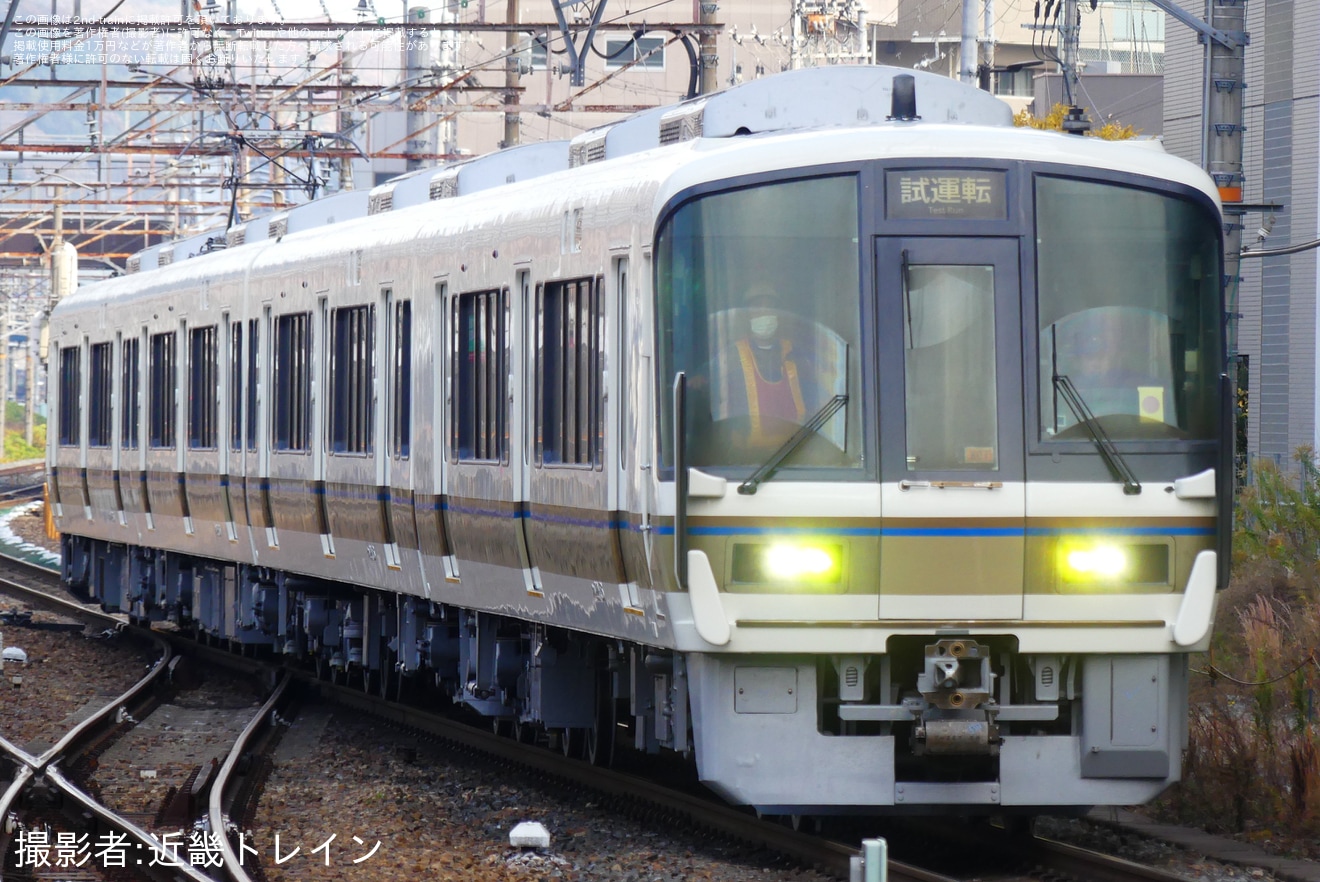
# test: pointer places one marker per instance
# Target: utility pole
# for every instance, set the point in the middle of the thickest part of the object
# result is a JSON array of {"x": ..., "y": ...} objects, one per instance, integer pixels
[
  {"x": 795, "y": 35},
  {"x": 709, "y": 55},
  {"x": 967, "y": 48},
  {"x": 1223, "y": 136},
  {"x": 987, "y": 68},
  {"x": 512, "y": 76},
  {"x": 417, "y": 55},
  {"x": 1226, "y": 37},
  {"x": 1070, "y": 35}
]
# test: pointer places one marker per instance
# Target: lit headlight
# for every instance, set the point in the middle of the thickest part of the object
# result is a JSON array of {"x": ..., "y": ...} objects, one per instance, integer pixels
[
  {"x": 787, "y": 562},
  {"x": 798, "y": 561},
  {"x": 1095, "y": 563}
]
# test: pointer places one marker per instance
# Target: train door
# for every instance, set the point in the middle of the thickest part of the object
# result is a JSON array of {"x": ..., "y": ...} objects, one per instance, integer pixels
[
  {"x": 523, "y": 417},
  {"x": 634, "y": 411},
  {"x": 401, "y": 521},
  {"x": 952, "y": 454}
]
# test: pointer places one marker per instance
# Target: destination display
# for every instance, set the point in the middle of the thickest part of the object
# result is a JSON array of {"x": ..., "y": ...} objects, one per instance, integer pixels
[{"x": 942, "y": 194}]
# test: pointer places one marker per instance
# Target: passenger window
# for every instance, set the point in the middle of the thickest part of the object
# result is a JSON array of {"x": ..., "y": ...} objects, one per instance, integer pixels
[
  {"x": 292, "y": 408},
  {"x": 480, "y": 327},
  {"x": 401, "y": 419},
  {"x": 129, "y": 383},
  {"x": 203, "y": 389},
  {"x": 254, "y": 383},
  {"x": 568, "y": 356},
  {"x": 236, "y": 386},
  {"x": 352, "y": 379},
  {"x": 949, "y": 368},
  {"x": 98, "y": 397},
  {"x": 163, "y": 381},
  {"x": 70, "y": 412}
]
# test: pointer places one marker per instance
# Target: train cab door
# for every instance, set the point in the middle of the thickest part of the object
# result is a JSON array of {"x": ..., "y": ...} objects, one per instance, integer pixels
[{"x": 951, "y": 437}]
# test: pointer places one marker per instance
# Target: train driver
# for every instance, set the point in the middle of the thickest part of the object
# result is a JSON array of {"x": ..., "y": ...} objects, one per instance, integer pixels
[{"x": 768, "y": 375}]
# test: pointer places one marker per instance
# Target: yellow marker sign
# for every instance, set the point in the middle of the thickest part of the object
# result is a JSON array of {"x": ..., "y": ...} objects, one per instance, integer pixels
[{"x": 1150, "y": 403}]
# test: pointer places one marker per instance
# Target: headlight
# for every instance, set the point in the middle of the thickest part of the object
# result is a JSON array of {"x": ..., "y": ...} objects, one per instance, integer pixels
[
  {"x": 801, "y": 563},
  {"x": 1100, "y": 562},
  {"x": 1091, "y": 562}
]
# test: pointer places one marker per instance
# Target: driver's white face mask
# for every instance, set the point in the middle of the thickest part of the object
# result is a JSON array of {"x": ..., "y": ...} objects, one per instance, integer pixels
[{"x": 765, "y": 325}]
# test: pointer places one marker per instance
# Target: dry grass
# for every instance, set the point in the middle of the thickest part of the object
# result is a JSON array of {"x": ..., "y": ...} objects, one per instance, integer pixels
[{"x": 1253, "y": 763}]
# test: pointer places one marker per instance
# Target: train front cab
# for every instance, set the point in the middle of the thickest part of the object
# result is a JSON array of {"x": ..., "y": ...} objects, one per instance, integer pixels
[{"x": 973, "y": 578}]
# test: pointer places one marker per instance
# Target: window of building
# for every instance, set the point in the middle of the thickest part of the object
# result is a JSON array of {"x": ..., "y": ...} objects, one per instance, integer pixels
[
  {"x": 352, "y": 379},
  {"x": 163, "y": 380},
  {"x": 1017, "y": 83},
  {"x": 568, "y": 399},
  {"x": 203, "y": 388},
  {"x": 401, "y": 418},
  {"x": 129, "y": 383},
  {"x": 480, "y": 324},
  {"x": 292, "y": 408},
  {"x": 70, "y": 382},
  {"x": 623, "y": 51},
  {"x": 98, "y": 397}
]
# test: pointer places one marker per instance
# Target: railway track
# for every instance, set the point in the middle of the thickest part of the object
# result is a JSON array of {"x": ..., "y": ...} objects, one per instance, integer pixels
[
  {"x": 1000, "y": 857},
  {"x": 57, "y": 788}
]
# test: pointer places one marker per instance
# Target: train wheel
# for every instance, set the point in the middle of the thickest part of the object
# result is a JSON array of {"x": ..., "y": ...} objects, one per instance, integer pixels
[
  {"x": 598, "y": 739},
  {"x": 804, "y": 823},
  {"x": 570, "y": 741}
]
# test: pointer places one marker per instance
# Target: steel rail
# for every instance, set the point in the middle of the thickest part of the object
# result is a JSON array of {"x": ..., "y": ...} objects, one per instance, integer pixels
[
  {"x": 811, "y": 850},
  {"x": 232, "y": 864}
]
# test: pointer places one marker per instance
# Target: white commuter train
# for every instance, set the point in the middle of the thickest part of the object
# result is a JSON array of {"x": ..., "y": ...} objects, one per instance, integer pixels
[{"x": 829, "y": 428}]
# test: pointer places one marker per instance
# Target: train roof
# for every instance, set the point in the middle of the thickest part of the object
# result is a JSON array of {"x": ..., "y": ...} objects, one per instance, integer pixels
[
  {"x": 802, "y": 99},
  {"x": 785, "y": 121}
]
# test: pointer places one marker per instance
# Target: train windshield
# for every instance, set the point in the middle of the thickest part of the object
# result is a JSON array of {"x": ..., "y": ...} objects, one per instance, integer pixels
[
  {"x": 1129, "y": 312},
  {"x": 759, "y": 305}
]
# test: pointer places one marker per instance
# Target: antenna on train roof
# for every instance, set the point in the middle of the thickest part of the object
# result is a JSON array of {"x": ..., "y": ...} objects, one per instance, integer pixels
[{"x": 903, "y": 102}]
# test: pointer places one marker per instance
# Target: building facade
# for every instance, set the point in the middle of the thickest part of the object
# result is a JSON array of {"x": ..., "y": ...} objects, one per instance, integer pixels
[{"x": 1276, "y": 299}]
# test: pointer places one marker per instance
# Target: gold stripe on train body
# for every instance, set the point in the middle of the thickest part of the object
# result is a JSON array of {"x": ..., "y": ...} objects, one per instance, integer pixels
[
  {"x": 575, "y": 542},
  {"x": 484, "y": 530},
  {"x": 293, "y": 506},
  {"x": 69, "y": 486},
  {"x": 206, "y": 498},
  {"x": 355, "y": 512},
  {"x": 132, "y": 486},
  {"x": 101, "y": 489},
  {"x": 165, "y": 493},
  {"x": 633, "y": 545},
  {"x": 403, "y": 519},
  {"x": 431, "y": 538}
]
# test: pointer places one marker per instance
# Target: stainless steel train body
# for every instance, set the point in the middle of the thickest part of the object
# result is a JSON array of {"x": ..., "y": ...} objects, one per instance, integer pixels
[{"x": 508, "y": 438}]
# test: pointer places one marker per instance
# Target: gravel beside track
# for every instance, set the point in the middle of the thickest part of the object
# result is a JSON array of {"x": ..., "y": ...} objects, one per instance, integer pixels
[
  {"x": 136, "y": 774},
  {"x": 446, "y": 815},
  {"x": 66, "y": 672},
  {"x": 1145, "y": 851}
]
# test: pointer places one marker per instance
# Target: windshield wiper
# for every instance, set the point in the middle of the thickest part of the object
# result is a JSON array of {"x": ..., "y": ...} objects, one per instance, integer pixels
[
  {"x": 811, "y": 427},
  {"x": 1117, "y": 465}
]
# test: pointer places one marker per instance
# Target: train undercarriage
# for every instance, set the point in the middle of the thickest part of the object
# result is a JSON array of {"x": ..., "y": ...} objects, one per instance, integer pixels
[{"x": 936, "y": 722}]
